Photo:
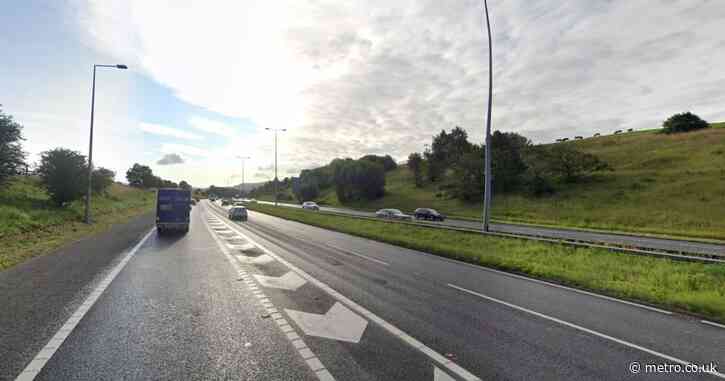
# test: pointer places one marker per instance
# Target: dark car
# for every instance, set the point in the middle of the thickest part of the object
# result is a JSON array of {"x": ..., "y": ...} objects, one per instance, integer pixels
[
  {"x": 238, "y": 213},
  {"x": 226, "y": 202},
  {"x": 428, "y": 214}
]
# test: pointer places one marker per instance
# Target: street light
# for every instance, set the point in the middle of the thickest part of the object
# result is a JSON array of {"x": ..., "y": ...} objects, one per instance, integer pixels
[
  {"x": 241, "y": 187},
  {"x": 487, "y": 158},
  {"x": 275, "y": 159},
  {"x": 90, "y": 140}
]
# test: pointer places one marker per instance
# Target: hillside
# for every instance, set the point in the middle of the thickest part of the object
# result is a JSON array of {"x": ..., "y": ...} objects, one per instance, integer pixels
[
  {"x": 661, "y": 184},
  {"x": 30, "y": 225}
]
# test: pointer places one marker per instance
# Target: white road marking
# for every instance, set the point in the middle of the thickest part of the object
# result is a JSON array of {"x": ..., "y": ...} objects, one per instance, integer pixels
[
  {"x": 242, "y": 247},
  {"x": 430, "y": 353},
  {"x": 439, "y": 375},
  {"x": 39, "y": 361},
  {"x": 339, "y": 323},
  {"x": 580, "y": 328},
  {"x": 512, "y": 275},
  {"x": 316, "y": 366},
  {"x": 289, "y": 281},
  {"x": 260, "y": 260},
  {"x": 358, "y": 255},
  {"x": 712, "y": 323}
]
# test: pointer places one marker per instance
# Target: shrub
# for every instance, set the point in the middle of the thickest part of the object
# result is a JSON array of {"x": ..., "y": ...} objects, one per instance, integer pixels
[
  {"x": 12, "y": 157},
  {"x": 62, "y": 172},
  {"x": 684, "y": 122}
]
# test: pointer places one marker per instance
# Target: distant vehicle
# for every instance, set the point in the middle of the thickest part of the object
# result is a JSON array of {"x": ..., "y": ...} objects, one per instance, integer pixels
[
  {"x": 310, "y": 205},
  {"x": 394, "y": 214},
  {"x": 173, "y": 206},
  {"x": 238, "y": 203},
  {"x": 597, "y": 134},
  {"x": 428, "y": 214},
  {"x": 578, "y": 137},
  {"x": 564, "y": 139},
  {"x": 617, "y": 132},
  {"x": 630, "y": 130},
  {"x": 226, "y": 202},
  {"x": 193, "y": 201},
  {"x": 238, "y": 213}
]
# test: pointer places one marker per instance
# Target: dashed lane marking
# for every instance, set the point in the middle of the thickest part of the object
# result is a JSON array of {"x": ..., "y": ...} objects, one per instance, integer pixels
[
  {"x": 580, "y": 328},
  {"x": 427, "y": 351},
  {"x": 307, "y": 355}
]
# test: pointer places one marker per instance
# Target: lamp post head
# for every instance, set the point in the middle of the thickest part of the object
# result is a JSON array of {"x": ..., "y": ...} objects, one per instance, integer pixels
[{"x": 121, "y": 67}]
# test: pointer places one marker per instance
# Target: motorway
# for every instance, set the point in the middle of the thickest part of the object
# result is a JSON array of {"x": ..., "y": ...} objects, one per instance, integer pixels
[
  {"x": 624, "y": 240},
  {"x": 271, "y": 299}
]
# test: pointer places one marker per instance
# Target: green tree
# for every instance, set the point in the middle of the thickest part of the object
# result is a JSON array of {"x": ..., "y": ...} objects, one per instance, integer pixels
[
  {"x": 62, "y": 171},
  {"x": 565, "y": 162},
  {"x": 415, "y": 164},
  {"x": 12, "y": 157},
  {"x": 446, "y": 152},
  {"x": 507, "y": 164},
  {"x": 184, "y": 185},
  {"x": 139, "y": 175},
  {"x": 358, "y": 179},
  {"x": 101, "y": 179},
  {"x": 684, "y": 122},
  {"x": 386, "y": 161},
  {"x": 468, "y": 175}
]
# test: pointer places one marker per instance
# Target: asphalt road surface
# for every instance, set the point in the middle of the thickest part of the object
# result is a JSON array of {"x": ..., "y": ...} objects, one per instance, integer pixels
[
  {"x": 651, "y": 243},
  {"x": 270, "y": 299}
]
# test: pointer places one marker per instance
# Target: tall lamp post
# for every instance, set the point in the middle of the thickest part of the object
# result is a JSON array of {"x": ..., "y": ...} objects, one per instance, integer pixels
[
  {"x": 241, "y": 187},
  {"x": 90, "y": 140},
  {"x": 275, "y": 159},
  {"x": 487, "y": 158}
]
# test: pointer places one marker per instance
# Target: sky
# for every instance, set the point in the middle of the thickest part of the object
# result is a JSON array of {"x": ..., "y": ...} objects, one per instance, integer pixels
[{"x": 344, "y": 78}]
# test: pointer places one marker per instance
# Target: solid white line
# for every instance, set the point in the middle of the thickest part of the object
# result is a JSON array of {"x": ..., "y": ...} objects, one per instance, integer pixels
[
  {"x": 430, "y": 353},
  {"x": 580, "y": 328},
  {"x": 40, "y": 359},
  {"x": 358, "y": 255},
  {"x": 712, "y": 323},
  {"x": 307, "y": 355}
]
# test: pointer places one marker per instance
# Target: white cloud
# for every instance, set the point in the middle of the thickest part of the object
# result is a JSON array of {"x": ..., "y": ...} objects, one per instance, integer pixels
[
  {"x": 212, "y": 126},
  {"x": 167, "y": 131},
  {"x": 349, "y": 78}
]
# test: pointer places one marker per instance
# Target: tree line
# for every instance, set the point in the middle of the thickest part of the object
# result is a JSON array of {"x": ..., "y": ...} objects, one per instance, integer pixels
[{"x": 62, "y": 172}]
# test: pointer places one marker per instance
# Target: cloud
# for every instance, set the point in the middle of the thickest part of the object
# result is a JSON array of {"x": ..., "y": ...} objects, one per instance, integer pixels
[
  {"x": 167, "y": 131},
  {"x": 211, "y": 126},
  {"x": 350, "y": 78},
  {"x": 170, "y": 158}
]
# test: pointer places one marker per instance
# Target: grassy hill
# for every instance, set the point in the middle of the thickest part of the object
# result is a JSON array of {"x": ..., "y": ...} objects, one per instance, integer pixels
[
  {"x": 30, "y": 225},
  {"x": 661, "y": 184}
]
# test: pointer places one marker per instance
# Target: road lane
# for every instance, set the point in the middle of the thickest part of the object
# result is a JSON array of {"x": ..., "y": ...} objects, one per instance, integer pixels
[
  {"x": 176, "y": 311},
  {"x": 626, "y": 240},
  {"x": 410, "y": 293}
]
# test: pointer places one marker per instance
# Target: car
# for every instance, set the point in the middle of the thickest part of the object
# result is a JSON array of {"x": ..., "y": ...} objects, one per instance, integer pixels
[
  {"x": 394, "y": 214},
  {"x": 428, "y": 214},
  {"x": 193, "y": 201},
  {"x": 226, "y": 202},
  {"x": 311, "y": 205},
  {"x": 238, "y": 203},
  {"x": 238, "y": 213}
]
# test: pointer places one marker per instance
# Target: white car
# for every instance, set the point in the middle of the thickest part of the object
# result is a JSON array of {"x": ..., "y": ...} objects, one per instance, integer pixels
[
  {"x": 310, "y": 205},
  {"x": 394, "y": 214}
]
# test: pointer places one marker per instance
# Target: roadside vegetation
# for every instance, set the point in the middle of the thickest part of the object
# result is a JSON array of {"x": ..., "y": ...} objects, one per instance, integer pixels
[
  {"x": 668, "y": 181},
  {"x": 32, "y": 224},
  {"x": 41, "y": 204},
  {"x": 685, "y": 286}
]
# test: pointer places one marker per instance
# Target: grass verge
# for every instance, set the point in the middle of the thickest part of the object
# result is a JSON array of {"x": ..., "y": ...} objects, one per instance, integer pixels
[
  {"x": 684, "y": 286},
  {"x": 30, "y": 225}
]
